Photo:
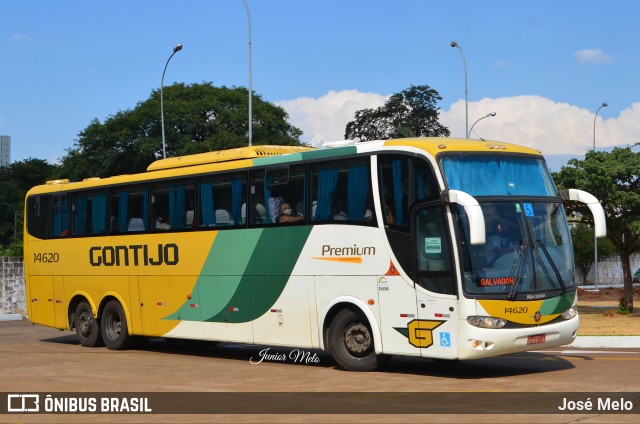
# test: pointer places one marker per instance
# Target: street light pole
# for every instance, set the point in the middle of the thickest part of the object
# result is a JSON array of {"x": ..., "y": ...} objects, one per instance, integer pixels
[
  {"x": 250, "y": 89},
  {"x": 176, "y": 49},
  {"x": 466, "y": 96},
  {"x": 480, "y": 119},
  {"x": 604, "y": 104},
  {"x": 595, "y": 239}
]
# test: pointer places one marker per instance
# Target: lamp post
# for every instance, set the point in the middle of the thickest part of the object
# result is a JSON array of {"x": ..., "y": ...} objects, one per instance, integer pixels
[
  {"x": 176, "y": 49},
  {"x": 595, "y": 239},
  {"x": 250, "y": 89},
  {"x": 466, "y": 96},
  {"x": 480, "y": 119},
  {"x": 604, "y": 104}
]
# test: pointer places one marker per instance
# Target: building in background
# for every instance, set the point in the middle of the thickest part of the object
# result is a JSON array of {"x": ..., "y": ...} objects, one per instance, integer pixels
[{"x": 5, "y": 150}]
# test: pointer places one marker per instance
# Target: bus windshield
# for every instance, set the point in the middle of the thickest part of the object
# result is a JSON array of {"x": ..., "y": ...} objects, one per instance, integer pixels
[{"x": 527, "y": 251}]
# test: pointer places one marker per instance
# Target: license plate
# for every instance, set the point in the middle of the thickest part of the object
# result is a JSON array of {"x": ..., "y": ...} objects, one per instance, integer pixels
[{"x": 538, "y": 338}]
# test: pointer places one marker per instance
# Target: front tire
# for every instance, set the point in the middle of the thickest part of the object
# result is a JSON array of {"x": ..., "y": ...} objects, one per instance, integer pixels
[
  {"x": 87, "y": 327},
  {"x": 351, "y": 342},
  {"x": 115, "y": 332}
]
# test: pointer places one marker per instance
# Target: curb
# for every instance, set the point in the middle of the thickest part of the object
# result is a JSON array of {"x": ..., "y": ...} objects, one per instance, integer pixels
[
  {"x": 606, "y": 341},
  {"x": 10, "y": 317}
]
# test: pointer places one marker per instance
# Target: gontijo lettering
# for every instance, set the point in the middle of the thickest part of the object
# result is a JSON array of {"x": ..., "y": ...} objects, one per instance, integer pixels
[{"x": 134, "y": 255}]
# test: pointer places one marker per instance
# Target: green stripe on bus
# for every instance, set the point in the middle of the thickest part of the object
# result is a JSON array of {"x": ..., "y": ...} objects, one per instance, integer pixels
[
  {"x": 557, "y": 305},
  {"x": 310, "y": 155},
  {"x": 221, "y": 274},
  {"x": 329, "y": 153},
  {"x": 274, "y": 160},
  {"x": 273, "y": 259}
]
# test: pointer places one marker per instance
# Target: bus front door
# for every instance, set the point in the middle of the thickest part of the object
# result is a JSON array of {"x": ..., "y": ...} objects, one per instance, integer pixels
[{"x": 436, "y": 326}]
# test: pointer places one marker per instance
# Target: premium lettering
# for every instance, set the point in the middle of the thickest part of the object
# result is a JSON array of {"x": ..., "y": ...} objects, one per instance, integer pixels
[
  {"x": 355, "y": 250},
  {"x": 134, "y": 255}
]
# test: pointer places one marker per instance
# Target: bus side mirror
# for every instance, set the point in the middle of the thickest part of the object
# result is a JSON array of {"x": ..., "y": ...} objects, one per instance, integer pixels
[
  {"x": 474, "y": 213},
  {"x": 599, "y": 221}
]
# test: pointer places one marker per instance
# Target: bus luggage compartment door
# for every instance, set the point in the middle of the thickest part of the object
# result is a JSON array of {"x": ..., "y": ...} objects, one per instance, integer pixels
[{"x": 41, "y": 300}]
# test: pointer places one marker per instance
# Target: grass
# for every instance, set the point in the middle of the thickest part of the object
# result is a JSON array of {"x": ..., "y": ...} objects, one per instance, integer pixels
[{"x": 600, "y": 318}]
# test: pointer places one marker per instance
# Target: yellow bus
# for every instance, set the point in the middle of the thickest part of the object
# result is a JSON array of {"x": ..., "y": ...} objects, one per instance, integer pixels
[{"x": 429, "y": 247}]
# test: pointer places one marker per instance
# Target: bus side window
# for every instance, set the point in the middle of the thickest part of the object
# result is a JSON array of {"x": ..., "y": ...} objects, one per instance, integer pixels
[
  {"x": 404, "y": 181},
  {"x": 37, "y": 215},
  {"x": 129, "y": 207},
  {"x": 89, "y": 213},
  {"x": 434, "y": 261},
  {"x": 59, "y": 226},
  {"x": 170, "y": 202},
  {"x": 342, "y": 192},
  {"x": 273, "y": 187},
  {"x": 221, "y": 200},
  {"x": 259, "y": 207}
]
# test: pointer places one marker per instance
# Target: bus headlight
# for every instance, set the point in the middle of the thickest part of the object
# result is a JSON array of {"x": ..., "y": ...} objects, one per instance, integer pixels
[
  {"x": 486, "y": 322},
  {"x": 570, "y": 313}
]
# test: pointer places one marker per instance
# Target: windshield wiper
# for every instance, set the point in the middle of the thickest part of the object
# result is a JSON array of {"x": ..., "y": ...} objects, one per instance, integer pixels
[
  {"x": 520, "y": 273},
  {"x": 553, "y": 265}
]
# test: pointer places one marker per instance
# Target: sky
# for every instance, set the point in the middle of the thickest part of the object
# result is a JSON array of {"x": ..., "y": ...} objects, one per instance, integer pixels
[{"x": 544, "y": 67}]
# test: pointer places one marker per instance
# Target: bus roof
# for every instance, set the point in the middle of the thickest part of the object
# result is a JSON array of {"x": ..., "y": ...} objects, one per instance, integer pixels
[
  {"x": 437, "y": 145},
  {"x": 225, "y": 156},
  {"x": 246, "y": 157}
]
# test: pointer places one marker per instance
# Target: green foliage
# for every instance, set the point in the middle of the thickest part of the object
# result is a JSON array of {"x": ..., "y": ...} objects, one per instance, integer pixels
[
  {"x": 622, "y": 307},
  {"x": 614, "y": 179},
  {"x": 410, "y": 113},
  {"x": 198, "y": 118},
  {"x": 14, "y": 249}
]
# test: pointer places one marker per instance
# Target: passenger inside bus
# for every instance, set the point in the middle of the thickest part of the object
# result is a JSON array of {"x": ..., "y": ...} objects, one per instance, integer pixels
[
  {"x": 286, "y": 214},
  {"x": 497, "y": 244},
  {"x": 275, "y": 208}
]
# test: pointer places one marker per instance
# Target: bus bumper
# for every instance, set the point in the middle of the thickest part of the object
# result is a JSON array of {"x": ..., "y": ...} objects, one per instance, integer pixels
[{"x": 484, "y": 342}]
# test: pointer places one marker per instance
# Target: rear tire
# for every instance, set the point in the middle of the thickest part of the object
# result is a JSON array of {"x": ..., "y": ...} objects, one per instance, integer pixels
[
  {"x": 87, "y": 327},
  {"x": 115, "y": 332},
  {"x": 351, "y": 342}
]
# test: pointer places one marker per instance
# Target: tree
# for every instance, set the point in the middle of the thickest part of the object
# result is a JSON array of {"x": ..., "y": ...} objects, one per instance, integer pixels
[
  {"x": 15, "y": 180},
  {"x": 583, "y": 249},
  {"x": 613, "y": 178},
  {"x": 198, "y": 118},
  {"x": 410, "y": 113}
]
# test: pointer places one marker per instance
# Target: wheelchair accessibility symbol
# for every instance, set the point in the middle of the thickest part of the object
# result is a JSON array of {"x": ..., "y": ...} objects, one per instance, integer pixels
[
  {"x": 445, "y": 339},
  {"x": 528, "y": 209}
]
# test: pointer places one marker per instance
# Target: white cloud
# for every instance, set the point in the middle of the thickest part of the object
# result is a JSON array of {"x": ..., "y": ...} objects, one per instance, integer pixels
[
  {"x": 534, "y": 121},
  {"x": 20, "y": 37},
  {"x": 502, "y": 64},
  {"x": 541, "y": 123},
  {"x": 593, "y": 56},
  {"x": 324, "y": 119}
]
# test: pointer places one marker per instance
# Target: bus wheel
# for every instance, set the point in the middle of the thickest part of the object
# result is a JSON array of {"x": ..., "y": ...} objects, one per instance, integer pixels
[
  {"x": 114, "y": 326},
  {"x": 87, "y": 327},
  {"x": 351, "y": 342}
]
